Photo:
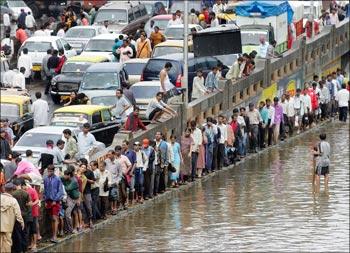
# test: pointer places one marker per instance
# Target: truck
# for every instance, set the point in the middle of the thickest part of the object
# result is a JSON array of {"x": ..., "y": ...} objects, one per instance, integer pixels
[{"x": 270, "y": 19}]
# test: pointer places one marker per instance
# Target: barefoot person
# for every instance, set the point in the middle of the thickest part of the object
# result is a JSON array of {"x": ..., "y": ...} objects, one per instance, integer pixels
[
  {"x": 157, "y": 107},
  {"x": 322, "y": 151}
]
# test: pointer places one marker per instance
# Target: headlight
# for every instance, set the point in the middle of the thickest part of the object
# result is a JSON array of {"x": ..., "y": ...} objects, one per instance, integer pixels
[{"x": 53, "y": 82}]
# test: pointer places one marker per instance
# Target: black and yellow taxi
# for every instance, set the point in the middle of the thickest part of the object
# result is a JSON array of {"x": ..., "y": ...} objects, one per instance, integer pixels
[
  {"x": 16, "y": 109},
  {"x": 103, "y": 125}
]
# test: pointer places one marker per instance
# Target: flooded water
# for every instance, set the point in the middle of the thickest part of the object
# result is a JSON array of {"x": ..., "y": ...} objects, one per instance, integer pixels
[{"x": 266, "y": 204}]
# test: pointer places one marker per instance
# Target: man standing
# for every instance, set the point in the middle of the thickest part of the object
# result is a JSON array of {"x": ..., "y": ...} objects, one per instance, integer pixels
[
  {"x": 86, "y": 141},
  {"x": 262, "y": 127},
  {"x": 25, "y": 61},
  {"x": 71, "y": 147},
  {"x": 6, "y": 21},
  {"x": 30, "y": 22},
  {"x": 324, "y": 99},
  {"x": 122, "y": 105},
  {"x": 322, "y": 153},
  {"x": 22, "y": 18},
  {"x": 131, "y": 155},
  {"x": 290, "y": 113},
  {"x": 165, "y": 83},
  {"x": 196, "y": 145},
  {"x": 263, "y": 47},
  {"x": 52, "y": 64},
  {"x": 10, "y": 213},
  {"x": 221, "y": 142},
  {"x": 236, "y": 70},
  {"x": 162, "y": 161},
  {"x": 125, "y": 51},
  {"x": 343, "y": 101},
  {"x": 45, "y": 72},
  {"x": 271, "y": 116},
  {"x": 4, "y": 144},
  {"x": 211, "y": 82},
  {"x": 141, "y": 167},
  {"x": 90, "y": 180},
  {"x": 278, "y": 119},
  {"x": 149, "y": 173},
  {"x": 40, "y": 110},
  {"x": 53, "y": 194},
  {"x": 254, "y": 121}
]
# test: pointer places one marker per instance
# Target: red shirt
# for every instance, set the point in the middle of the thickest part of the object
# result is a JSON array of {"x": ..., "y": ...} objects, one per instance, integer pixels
[
  {"x": 21, "y": 35},
  {"x": 133, "y": 123},
  {"x": 34, "y": 197},
  {"x": 313, "y": 96},
  {"x": 234, "y": 126}
]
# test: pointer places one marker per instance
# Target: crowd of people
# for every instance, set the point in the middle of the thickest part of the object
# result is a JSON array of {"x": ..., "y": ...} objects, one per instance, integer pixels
[{"x": 77, "y": 193}]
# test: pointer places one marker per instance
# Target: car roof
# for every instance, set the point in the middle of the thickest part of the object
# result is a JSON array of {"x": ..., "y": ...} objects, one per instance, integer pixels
[
  {"x": 49, "y": 129},
  {"x": 146, "y": 83},
  {"x": 107, "y": 36},
  {"x": 88, "y": 109},
  {"x": 182, "y": 26},
  {"x": 87, "y": 58},
  {"x": 96, "y": 27},
  {"x": 106, "y": 67},
  {"x": 137, "y": 60},
  {"x": 172, "y": 43},
  {"x": 119, "y": 5},
  {"x": 42, "y": 39},
  {"x": 174, "y": 57},
  {"x": 13, "y": 99},
  {"x": 162, "y": 16}
]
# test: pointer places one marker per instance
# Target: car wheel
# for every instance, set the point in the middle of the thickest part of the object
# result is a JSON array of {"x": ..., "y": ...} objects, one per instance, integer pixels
[{"x": 56, "y": 99}]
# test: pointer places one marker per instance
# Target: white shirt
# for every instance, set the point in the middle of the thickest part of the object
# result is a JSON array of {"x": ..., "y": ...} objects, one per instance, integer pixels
[
  {"x": 214, "y": 23},
  {"x": 40, "y": 110},
  {"x": 19, "y": 81},
  {"x": 30, "y": 21},
  {"x": 197, "y": 139},
  {"x": 85, "y": 143},
  {"x": 343, "y": 98},
  {"x": 7, "y": 78},
  {"x": 333, "y": 18},
  {"x": 39, "y": 33},
  {"x": 174, "y": 22},
  {"x": 124, "y": 57},
  {"x": 198, "y": 87},
  {"x": 60, "y": 33},
  {"x": 290, "y": 107},
  {"x": 6, "y": 19},
  {"x": 263, "y": 49},
  {"x": 25, "y": 61},
  {"x": 104, "y": 30},
  {"x": 223, "y": 133},
  {"x": 47, "y": 32},
  {"x": 284, "y": 106},
  {"x": 219, "y": 8},
  {"x": 9, "y": 42},
  {"x": 307, "y": 102},
  {"x": 120, "y": 105},
  {"x": 167, "y": 84},
  {"x": 153, "y": 104}
]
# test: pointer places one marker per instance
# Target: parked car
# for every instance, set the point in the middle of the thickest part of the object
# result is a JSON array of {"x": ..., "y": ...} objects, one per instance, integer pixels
[
  {"x": 35, "y": 140},
  {"x": 170, "y": 47},
  {"x": 145, "y": 91},
  {"x": 101, "y": 45},
  {"x": 16, "y": 108},
  {"x": 15, "y": 6},
  {"x": 71, "y": 75},
  {"x": 103, "y": 125},
  {"x": 104, "y": 78},
  {"x": 38, "y": 45},
  {"x": 176, "y": 32},
  {"x": 160, "y": 20},
  {"x": 122, "y": 16},
  {"x": 79, "y": 36},
  {"x": 133, "y": 68},
  {"x": 155, "y": 65}
]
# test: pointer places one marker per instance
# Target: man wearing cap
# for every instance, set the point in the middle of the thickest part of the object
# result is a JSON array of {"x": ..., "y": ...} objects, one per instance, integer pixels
[
  {"x": 149, "y": 173},
  {"x": 10, "y": 213}
]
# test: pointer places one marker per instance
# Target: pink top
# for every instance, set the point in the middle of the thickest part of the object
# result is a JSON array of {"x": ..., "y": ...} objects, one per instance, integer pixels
[
  {"x": 124, "y": 163},
  {"x": 25, "y": 167}
]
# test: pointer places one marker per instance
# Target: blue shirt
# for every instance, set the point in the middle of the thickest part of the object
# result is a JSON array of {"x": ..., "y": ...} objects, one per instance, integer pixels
[
  {"x": 131, "y": 155},
  {"x": 211, "y": 81},
  {"x": 53, "y": 188},
  {"x": 264, "y": 115}
]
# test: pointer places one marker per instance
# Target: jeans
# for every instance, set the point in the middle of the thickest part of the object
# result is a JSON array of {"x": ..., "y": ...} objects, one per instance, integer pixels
[
  {"x": 254, "y": 131},
  {"x": 209, "y": 156},
  {"x": 243, "y": 145},
  {"x": 324, "y": 110},
  {"x": 139, "y": 181},
  {"x": 343, "y": 113},
  {"x": 95, "y": 199},
  {"x": 194, "y": 159}
]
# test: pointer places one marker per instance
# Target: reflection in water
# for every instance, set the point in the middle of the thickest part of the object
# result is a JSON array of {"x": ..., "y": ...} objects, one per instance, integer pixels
[{"x": 266, "y": 204}]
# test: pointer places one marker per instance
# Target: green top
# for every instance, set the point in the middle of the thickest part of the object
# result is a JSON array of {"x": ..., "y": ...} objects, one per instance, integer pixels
[
  {"x": 23, "y": 199},
  {"x": 72, "y": 188}
]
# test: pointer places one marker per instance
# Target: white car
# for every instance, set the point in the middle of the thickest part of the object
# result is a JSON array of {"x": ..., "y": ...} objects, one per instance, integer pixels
[
  {"x": 101, "y": 45},
  {"x": 134, "y": 68},
  {"x": 35, "y": 139},
  {"x": 38, "y": 45},
  {"x": 16, "y": 6},
  {"x": 79, "y": 36},
  {"x": 176, "y": 32}
]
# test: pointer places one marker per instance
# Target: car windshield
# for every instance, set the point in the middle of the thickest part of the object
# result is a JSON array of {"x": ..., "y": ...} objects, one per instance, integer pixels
[
  {"x": 100, "y": 81},
  {"x": 113, "y": 16},
  {"x": 80, "y": 33},
  {"x": 159, "y": 51},
  {"x": 144, "y": 92},
  {"x": 9, "y": 110},
  {"x": 37, "y": 46},
  {"x": 103, "y": 100},
  {"x": 252, "y": 37},
  {"x": 175, "y": 33},
  {"x": 37, "y": 140},
  {"x": 16, "y": 3},
  {"x": 69, "y": 119},
  {"x": 99, "y": 46},
  {"x": 70, "y": 67},
  {"x": 134, "y": 68}
]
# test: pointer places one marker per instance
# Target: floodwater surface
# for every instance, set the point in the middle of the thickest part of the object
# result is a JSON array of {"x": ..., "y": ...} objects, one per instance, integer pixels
[{"x": 267, "y": 203}]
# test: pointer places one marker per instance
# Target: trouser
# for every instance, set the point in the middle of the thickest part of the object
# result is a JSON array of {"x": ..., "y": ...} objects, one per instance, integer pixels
[
  {"x": 343, "y": 113},
  {"x": 122, "y": 191},
  {"x": 262, "y": 133},
  {"x": 149, "y": 182},
  {"x": 88, "y": 205},
  {"x": 215, "y": 157},
  {"x": 269, "y": 133},
  {"x": 254, "y": 131},
  {"x": 194, "y": 159},
  {"x": 71, "y": 203},
  {"x": 103, "y": 205},
  {"x": 163, "y": 182},
  {"x": 18, "y": 239},
  {"x": 27, "y": 80},
  {"x": 95, "y": 192},
  {"x": 283, "y": 126},
  {"x": 291, "y": 122},
  {"x": 5, "y": 242},
  {"x": 243, "y": 144},
  {"x": 139, "y": 181},
  {"x": 209, "y": 156},
  {"x": 221, "y": 155},
  {"x": 324, "y": 111},
  {"x": 276, "y": 132},
  {"x": 48, "y": 84},
  {"x": 333, "y": 107},
  {"x": 158, "y": 170}
]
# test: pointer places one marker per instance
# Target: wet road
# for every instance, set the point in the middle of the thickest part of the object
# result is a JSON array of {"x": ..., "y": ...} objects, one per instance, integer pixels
[{"x": 266, "y": 204}]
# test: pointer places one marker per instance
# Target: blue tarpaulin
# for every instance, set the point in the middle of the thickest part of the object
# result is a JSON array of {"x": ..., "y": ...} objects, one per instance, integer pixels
[{"x": 265, "y": 8}]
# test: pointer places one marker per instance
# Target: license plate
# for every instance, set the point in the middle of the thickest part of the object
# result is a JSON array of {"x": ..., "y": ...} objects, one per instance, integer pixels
[{"x": 36, "y": 68}]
